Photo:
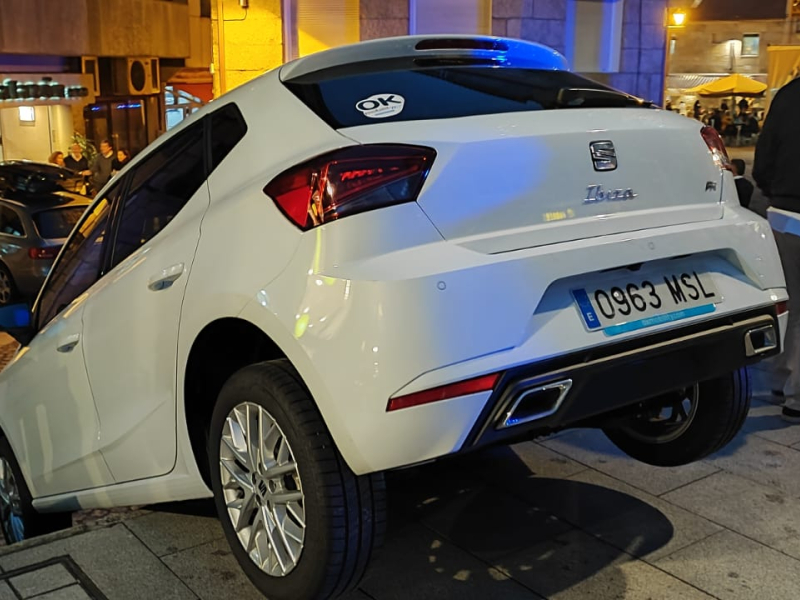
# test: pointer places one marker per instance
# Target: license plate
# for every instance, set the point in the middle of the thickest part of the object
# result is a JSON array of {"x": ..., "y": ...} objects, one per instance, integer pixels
[{"x": 638, "y": 302}]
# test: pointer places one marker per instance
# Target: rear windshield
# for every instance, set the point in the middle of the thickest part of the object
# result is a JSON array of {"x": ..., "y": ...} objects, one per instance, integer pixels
[
  {"x": 57, "y": 222},
  {"x": 384, "y": 91}
]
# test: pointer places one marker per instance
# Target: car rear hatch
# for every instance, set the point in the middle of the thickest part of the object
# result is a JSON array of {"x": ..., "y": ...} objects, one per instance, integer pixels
[{"x": 526, "y": 155}]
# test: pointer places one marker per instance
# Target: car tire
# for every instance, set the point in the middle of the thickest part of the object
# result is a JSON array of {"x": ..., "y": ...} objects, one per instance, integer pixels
[
  {"x": 8, "y": 290},
  {"x": 19, "y": 521},
  {"x": 715, "y": 413},
  {"x": 344, "y": 515}
]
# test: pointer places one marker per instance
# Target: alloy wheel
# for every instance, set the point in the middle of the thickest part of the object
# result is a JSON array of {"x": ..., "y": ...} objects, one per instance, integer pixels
[
  {"x": 668, "y": 417},
  {"x": 262, "y": 489},
  {"x": 10, "y": 504}
]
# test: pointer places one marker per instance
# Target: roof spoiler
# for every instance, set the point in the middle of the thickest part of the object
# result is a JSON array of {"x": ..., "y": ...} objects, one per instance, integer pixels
[{"x": 509, "y": 52}]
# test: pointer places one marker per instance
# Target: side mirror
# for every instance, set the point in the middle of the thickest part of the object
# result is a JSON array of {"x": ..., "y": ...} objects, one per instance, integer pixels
[{"x": 15, "y": 320}]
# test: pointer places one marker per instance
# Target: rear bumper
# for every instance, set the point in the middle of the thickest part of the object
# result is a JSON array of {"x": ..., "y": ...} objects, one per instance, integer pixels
[
  {"x": 416, "y": 318},
  {"x": 576, "y": 389}
]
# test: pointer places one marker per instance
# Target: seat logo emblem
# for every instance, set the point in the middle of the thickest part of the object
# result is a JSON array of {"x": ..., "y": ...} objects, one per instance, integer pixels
[{"x": 604, "y": 156}]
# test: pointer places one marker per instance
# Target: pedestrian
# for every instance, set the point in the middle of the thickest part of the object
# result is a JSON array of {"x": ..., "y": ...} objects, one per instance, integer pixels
[
  {"x": 743, "y": 187},
  {"x": 697, "y": 109},
  {"x": 775, "y": 172},
  {"x": 744, "y": 106},
  {"x": 76, "y": 161},
  {"x": 102, "y": 165},
  {"x": 56, "y": 158},
  {"x": 123, "y": 158}
]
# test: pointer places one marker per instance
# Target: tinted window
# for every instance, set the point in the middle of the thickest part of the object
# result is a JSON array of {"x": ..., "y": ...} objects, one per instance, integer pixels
[
  {"x": 57, "y": 222},
  {"x": 345, "y": 96},
  {"x": 227, "y": 128},
  {"x": 10, "y": 222},
  {"x": 160, "y": 186},
  {"x": 79, "y": 265}
]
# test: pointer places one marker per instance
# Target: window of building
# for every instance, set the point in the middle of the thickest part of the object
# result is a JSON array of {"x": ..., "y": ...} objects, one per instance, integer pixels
[
  {"x": 594, "y": 35},
  {"x": 750, "y": 44},
  {"x": 450, "y": 16},
  {"x": 27, "y": 115},
  {"x": 160, "y": 187},
  {"x": 205, "y": 8},
  {"x": 316, "y": 25},
  {"x": 673, "y": 42},
  {"x": 179, "y": 104}
]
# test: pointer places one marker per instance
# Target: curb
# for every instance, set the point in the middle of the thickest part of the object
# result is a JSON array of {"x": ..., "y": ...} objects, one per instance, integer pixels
[{"x": 48, "y": 538}]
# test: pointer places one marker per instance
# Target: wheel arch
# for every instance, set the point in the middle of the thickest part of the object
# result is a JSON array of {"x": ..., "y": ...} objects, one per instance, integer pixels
[{"x": 220, "y": 349}]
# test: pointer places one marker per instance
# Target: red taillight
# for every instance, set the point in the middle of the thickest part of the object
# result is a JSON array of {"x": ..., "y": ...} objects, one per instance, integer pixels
[
  {"x": 782, "y": 307},
  {"x": 43, "y": 253},
  {"x": 350, "y": 181},
  {"x": 717, "y": 148},
  {"x": 462, "y": 388}
]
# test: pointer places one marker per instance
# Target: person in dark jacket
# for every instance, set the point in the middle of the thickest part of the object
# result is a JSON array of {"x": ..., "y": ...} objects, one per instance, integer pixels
[
  {"x": 743, "y": 187},
  {"x": 102, "y": 165},
  {"x": 76, "y": 161},
  {"x": 775, "y": 172}
]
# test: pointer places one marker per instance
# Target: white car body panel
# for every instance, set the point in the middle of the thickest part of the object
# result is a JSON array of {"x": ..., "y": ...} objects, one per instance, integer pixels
[
  {"x": 132, "y": 361},
  {"x": 509, "y": 181},
  {"x": 385, "y": 302},
  {"x": 48, "y": 413}
]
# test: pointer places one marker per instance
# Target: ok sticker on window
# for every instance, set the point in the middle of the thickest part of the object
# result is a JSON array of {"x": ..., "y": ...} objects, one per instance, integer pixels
[{"x": 381, "y": 106}]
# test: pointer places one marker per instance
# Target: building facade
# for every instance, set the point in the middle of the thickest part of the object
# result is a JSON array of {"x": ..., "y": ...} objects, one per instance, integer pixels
[
  {"x": 137, "y": 67},
  {"x": 621, "y": 42},
  {"x": 106, "y": 63},
  {"x": 721, "y": 37}
]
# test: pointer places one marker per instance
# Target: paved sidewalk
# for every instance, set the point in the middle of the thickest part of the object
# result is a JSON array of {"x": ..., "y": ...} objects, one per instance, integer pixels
[{"x": 565, "y": 518}]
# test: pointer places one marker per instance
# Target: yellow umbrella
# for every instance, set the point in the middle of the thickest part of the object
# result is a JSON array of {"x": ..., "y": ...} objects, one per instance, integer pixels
[{"x": 732, "y": 85}]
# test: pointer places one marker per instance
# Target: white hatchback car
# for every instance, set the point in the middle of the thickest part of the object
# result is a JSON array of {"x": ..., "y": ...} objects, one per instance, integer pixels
[{"x": 373, "y": 257}]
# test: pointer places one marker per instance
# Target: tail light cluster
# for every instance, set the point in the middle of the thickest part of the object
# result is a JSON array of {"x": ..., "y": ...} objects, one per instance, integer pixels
[
  {"x": 349, "y": 181},
  {"x": 717, "y": 148},
  {"x": 48, "y": 252}
]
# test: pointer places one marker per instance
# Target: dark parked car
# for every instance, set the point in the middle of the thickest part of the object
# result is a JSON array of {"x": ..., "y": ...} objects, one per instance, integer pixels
[{"x": 39, "y": 207}]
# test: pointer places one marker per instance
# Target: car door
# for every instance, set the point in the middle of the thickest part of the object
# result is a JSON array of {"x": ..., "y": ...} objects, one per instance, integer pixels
[
  {"x": 46, "y": 403},
  {"x": 131, "y": 324}
]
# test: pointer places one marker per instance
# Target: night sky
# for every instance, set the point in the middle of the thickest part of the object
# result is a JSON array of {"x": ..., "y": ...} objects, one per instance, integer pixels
[{"x": 729, "y": 10}]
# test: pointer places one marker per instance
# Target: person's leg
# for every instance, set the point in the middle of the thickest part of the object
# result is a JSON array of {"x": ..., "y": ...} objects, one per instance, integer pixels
[{"x": 789, "y": 363}]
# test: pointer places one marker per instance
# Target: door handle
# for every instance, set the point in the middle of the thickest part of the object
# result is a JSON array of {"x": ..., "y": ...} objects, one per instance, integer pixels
[
  {"x": 68, "y": 343},
  {"x": 165, "y": 278}
]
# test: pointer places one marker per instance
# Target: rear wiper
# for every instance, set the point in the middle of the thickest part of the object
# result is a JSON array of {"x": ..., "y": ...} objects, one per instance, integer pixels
[{"x": 594, "y": 98}]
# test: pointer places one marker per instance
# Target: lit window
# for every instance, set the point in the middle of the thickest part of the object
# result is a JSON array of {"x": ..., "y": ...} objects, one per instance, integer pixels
[
  {"x": 750, "y": 44},
  {"x": 27, "y": 114}
]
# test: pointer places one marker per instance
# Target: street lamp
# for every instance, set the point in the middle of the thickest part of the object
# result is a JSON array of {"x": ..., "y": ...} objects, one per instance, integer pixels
[{"x": 677, "y": 18}]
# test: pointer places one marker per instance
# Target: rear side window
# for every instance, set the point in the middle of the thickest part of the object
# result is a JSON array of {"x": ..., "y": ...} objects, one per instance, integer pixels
[
  {"x": 10, "y": 222},
  {"x": 57, "y": 222},
  {"x": 400, "y": 91},
  {"x": 227, "y": 128},
  {"x": 160, "y": 187}
]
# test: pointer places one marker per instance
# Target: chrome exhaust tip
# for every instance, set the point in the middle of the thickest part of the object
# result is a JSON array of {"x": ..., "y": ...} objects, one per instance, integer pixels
[
  {"x": 535, "y": 403},
  {"x": 760, "y": 340}
]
